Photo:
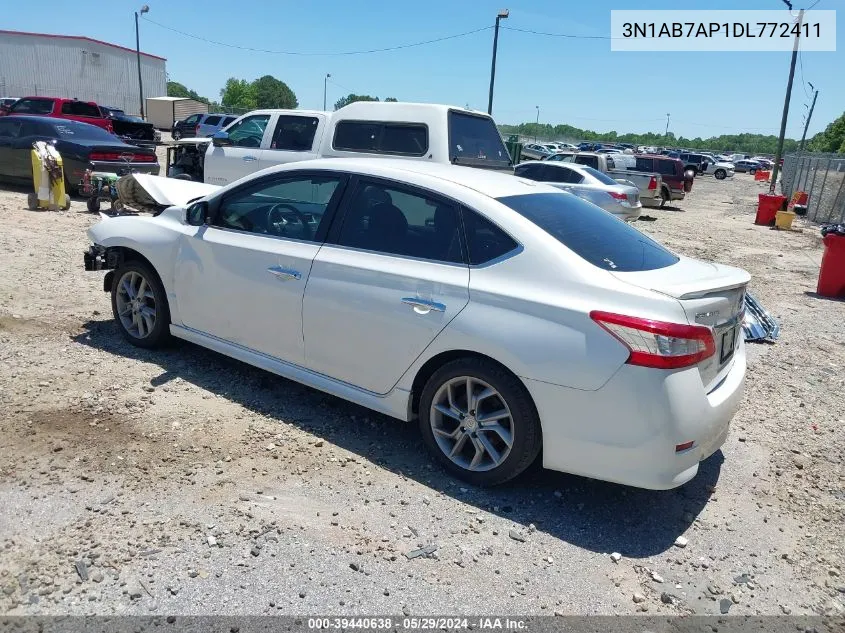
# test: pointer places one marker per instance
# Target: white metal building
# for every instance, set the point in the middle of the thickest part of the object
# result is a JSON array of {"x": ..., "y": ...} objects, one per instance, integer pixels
[{"x": 35, "y": 64}]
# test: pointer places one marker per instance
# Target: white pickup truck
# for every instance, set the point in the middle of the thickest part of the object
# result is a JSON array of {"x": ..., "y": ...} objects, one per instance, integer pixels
[
  {"x": 418, "y": 131},
  {"x": 617, "y": 167}
]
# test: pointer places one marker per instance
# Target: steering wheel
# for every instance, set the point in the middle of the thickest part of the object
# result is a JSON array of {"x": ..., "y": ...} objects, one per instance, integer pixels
[{"x": 276, "y": 219}]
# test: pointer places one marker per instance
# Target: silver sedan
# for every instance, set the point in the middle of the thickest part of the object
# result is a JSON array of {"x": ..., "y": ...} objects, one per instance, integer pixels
[{"x": 590, "y": 184}]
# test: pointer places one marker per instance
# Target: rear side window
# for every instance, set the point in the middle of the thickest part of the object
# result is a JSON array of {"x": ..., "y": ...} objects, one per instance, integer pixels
[
  {"x": 79, "y": 108},
  {"x": 531, "y": 171},
  {"x": 666, "y": 167},
  {"x": 377, "y": 137},
  {"x": 33, "y": 106},
  {"x": 591, "y": 161},
  {"x": 294, "y": 133},
  {"x": 591, "y": 233},
  {"x": 193, "y": 119},
  {"x": 212, "y": 120},
  {"x": 485, "y": 240},
  {"x": 227, "y": 120},
  {"x": 561, "y": 173},
  {"x": 645, "y": 164}
]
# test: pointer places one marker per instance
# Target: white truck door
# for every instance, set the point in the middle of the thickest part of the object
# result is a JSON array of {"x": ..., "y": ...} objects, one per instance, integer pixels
[
  {"x": 295, "y": 137},
  {"x": 227, "y": 163}
]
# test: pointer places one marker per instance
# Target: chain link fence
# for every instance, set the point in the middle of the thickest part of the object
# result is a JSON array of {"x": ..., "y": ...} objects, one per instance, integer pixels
[{"x": 822, "y": 176}]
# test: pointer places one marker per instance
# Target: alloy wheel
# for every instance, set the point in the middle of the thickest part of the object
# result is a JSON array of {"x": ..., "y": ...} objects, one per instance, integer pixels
[
  {"x": 472, "y": 424},
  {"x": 136, "y": 305}
]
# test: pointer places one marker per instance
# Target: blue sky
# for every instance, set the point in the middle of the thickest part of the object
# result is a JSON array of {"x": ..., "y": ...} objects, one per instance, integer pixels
[{"x": 575, "y": 81}]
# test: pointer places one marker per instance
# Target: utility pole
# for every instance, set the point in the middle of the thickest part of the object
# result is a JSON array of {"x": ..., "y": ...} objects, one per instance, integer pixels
[
  {"x": 666, "y": 134},
  {"x": 502, "y": 15},
  {"x": 537, "y": 123},
  {"x": 809, "y": 116},
  {"x": 144, "y": 9},
  {"x": 325, "y": 86},
  {"x": 785, "y": 116}
]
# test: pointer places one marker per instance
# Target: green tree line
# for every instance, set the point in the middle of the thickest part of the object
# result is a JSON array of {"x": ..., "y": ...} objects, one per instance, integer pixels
[
  {"x": 240, "y": 94},
  {"x": 352, "y": 98},
  {"x": 832, "y": 139}
]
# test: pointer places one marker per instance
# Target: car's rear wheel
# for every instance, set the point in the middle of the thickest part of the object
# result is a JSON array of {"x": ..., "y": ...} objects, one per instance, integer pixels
[
  {"x": 177, "y": 135},
  {"x": 139, "y": 304},
  {"x": 720, "y": 174},
  {"x": 479, "y": 421},
  {"x": 665, "y": 197},
  {"x": 752, "y": 171}
]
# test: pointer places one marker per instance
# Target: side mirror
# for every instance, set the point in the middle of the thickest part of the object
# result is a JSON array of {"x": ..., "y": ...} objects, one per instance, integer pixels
[
  {"x": 221, "y": 139},
  {"x": 197, "y": 214}
]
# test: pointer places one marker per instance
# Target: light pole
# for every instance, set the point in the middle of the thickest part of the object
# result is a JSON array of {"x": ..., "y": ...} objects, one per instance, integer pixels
[
  {"x": 666, "y": 134},
  {"x": 536, "y": 123},
  {"x": 325, "y": 85},
  {"x": 501, "y": 16},
  {"x": 144, "y": 9}
]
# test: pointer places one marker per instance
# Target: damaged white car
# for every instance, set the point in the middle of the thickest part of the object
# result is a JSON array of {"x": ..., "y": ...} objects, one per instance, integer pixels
[{"x": 508, "y": 318}]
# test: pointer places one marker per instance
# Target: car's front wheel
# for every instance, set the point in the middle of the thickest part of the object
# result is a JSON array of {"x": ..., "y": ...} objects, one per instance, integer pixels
[
  {"x": 720, "y": 174},
  {"x": 139, "y": 304},
  {"x": 479, "y": 421}
]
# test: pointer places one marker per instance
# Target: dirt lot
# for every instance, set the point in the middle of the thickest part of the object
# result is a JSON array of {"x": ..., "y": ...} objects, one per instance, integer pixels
[{"x": 184, "y": 482}]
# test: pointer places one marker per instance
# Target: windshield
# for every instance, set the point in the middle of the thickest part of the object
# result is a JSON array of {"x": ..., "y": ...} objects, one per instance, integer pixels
[
  {"x": 75, "y": 130},
  {"x": 475, "y": 140},
  {"x": 591, "y": 233},
  {"x": 600, "y": 176}
]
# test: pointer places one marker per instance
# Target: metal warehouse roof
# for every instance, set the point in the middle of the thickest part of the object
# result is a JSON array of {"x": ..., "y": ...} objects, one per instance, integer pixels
[{"x": 80, "y": 37}]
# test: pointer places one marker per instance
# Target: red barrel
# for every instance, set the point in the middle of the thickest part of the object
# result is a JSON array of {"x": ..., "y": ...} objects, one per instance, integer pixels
[
  {"x": 768, "y": 207},
  {"x": 832, "y": 273}
]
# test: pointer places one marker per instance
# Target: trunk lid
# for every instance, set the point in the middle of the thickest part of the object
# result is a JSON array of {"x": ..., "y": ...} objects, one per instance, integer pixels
[{"x": 710, "y": 294}]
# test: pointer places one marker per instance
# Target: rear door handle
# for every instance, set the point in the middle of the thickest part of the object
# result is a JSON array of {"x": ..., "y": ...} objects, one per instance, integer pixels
[
  {"x": 284, "y": 274},
  {"x": 424, "y": 304},
  {"x": 250, "y": 158}
]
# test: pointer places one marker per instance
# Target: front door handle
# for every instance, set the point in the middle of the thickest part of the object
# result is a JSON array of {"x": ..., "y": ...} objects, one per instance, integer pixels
[
  {"x": 424, "y": 304},
  {"x": 250, "y": 158},
  {"x": 284, "y": 274}
]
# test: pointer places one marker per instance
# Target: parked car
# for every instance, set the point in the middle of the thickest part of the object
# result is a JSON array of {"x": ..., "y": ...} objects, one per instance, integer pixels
[
  {"x": 618, "y": 167},
  {"x": 765, "y": 163},
  {"x": 201, "y": 125},
  {"x": 132, "y": 129},
  {"x": 720, "y": 169},
  {"x": 695, "y": 162},
  {"x": 746, "y": 165},
  {"x": 82, "y": 146},
  {"x": 211, "y": 123},
  {"x": 410, "y": 131},
  {"x": 68, "y": 109},
  {"x": 677, "y": 181},
  {"x": 507, "y": 318},
  {"x": 623, "y": 201},
  {"x": 535, "y": 151}
]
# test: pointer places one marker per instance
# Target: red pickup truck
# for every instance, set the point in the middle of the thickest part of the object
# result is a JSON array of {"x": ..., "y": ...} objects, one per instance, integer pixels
[{"x": 73, "y": 109}]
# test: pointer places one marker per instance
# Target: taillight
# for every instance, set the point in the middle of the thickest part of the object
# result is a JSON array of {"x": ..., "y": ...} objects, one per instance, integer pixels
[
  {"x": 618, "y": 196},
  {"x": 117, "y": 158},
  {"x": 656, "y": 343},
  {"x": 652, "y": 184}
]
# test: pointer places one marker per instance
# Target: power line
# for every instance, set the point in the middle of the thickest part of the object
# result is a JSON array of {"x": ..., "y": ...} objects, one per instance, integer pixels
[
  {"x": 801, "y": 68},
  {"x": 567, "y": 35},
  {"x": 322, "y": 54}
]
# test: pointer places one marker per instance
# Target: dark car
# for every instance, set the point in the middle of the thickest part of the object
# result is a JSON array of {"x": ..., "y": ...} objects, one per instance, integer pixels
[
  {"x": 696, "y": 162},
  {"x": 82, "y": 146},
  {"x": 132, "y": 129},
  {"x": 677, "y": 181},
  {"x": 747, "y": 165}
]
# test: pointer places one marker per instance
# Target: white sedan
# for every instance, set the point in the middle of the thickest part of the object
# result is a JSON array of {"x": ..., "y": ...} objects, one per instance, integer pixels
[{"x": 507, "y": 317}]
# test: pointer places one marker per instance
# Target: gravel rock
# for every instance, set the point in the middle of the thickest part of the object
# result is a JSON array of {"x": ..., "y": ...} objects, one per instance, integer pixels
[
  {"x": 616, "y": 557},
  {"x": 638, "y": 597},
  {"x": 725, "y": 605},
  {"x": 681, "y": 541},
  {"x": 656, "y": 577}
]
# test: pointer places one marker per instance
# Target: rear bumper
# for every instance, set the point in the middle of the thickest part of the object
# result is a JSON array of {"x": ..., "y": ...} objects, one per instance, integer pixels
[
  {"x": 677, "y": 195},
  {"x": 627, "y": 431}
]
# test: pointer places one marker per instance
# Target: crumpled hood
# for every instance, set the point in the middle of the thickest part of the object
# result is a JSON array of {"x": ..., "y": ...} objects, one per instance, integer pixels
[{"x": 143, "y": 192}]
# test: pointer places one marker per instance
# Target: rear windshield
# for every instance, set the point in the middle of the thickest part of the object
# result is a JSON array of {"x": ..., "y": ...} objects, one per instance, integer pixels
[
  {"x": 475, "y": 141},
  {"x": 591, "y": 233},
  {"x": 379, "y": 137},
  {"x": 600, "y": 176},
  {"x": 71, "y": 130},
  {"x": 32, "y": 106}
]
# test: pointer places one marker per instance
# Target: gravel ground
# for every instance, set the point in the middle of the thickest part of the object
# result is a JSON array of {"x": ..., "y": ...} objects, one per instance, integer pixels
[{"x": 184, "y": 482}]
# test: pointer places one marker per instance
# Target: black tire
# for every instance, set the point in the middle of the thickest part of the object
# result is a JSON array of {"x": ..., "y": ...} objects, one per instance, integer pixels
[
  {"x": 720, "y": 174},
  {"x": 32, "y": 201},
  {"x": 527, "y": 439},
  {"x": 93, "y": 205},
  {"x": 752, "y": 171},
  {"x": 160, "y": 332}
]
